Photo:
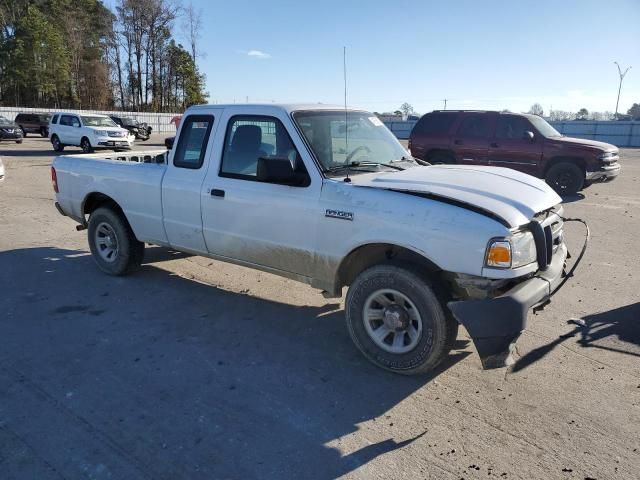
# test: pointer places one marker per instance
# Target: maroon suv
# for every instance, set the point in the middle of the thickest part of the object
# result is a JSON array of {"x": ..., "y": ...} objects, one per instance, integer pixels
[{"x": 519, "y": 141}]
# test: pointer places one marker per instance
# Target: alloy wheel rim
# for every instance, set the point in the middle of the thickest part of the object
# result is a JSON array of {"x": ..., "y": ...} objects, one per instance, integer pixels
[
  {"x": 392, "y": 321},
  {"x": 106, "y": 242}
]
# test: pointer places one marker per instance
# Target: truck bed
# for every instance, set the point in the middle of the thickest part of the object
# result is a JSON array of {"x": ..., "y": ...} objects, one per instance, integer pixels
[{"x": 132, "y": 179}]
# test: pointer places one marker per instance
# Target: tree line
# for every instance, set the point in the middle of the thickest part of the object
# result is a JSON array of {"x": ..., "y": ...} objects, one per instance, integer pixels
[{"x": 79, "y": 54}]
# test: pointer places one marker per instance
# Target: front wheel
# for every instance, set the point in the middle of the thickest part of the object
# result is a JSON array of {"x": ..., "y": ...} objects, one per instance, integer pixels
[
  {"x": 113, "y": 245},
  {"x": 85, "y": 144},
  {"x": 565, "y": 178},
  {"x": 57, "y": 145},
  {"x": 397, "y": 322}
]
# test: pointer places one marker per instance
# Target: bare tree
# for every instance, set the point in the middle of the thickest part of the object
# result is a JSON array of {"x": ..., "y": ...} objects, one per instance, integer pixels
[
  {"x": 406, "y": 109},
  {"x": 192, "y": 28},
  {"x": 536, "y": 109}
]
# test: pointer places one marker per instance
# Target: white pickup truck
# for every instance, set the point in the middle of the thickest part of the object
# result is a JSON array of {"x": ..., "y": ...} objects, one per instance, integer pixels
[{"x": 329, "y": 197}]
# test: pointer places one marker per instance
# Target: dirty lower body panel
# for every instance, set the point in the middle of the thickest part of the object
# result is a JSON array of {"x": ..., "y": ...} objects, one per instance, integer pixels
[{"x": 494, "y": 324}]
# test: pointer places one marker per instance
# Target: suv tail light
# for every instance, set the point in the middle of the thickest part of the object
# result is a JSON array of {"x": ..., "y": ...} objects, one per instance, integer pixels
[{"x": 54, "y": 180}]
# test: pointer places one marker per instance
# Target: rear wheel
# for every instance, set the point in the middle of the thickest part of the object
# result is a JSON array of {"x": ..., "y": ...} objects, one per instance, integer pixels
[
  {"x": 113, "y": 245},
  {"x": 565, "y": 178},
  {"x": 396, "y": 320},
  {"x": 85, "y": 144},
  {"x": 44, "y": 132},
  {"x": 57, "y": 146}
]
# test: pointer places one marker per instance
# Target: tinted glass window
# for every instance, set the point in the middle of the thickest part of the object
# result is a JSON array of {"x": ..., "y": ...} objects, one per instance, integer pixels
[
  {"x": 54, "y": 119},
  {"x": 511, "y": 127},
  {"x": 192, "y": 143},
  {"x": 435, "y": 123},
  {"x": 20, "y": 118},
  {"x": 474, "y": 127},
  {"x": 250, "y": 137},
  {"x": 68, "y": 120}
]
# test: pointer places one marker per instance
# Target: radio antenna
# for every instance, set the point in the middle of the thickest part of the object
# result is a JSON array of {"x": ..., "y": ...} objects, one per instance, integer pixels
[{"x": 346, "y": 124}]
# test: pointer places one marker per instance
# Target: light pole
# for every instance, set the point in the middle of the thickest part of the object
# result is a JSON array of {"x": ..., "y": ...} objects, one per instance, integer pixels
[{"x": 621, "y": 74}]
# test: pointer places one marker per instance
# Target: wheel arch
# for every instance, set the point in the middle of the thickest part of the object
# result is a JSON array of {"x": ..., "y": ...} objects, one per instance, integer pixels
[
  {"x": 95, "y": 200},
  {"x": 367, "y": 255},
  {"x": 578, "y": 161}
]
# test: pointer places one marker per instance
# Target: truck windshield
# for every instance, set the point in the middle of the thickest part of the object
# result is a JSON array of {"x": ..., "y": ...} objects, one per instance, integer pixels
[
  {"x": 90, "y": 121},
  {"x": 543, "y": 127},
  {"x": 359, "y": 138},
  {"x": 129, "y": 122}
]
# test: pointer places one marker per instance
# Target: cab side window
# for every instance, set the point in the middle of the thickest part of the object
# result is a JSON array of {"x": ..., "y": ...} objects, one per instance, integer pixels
[
  {"x": 474, "y": 127},
  {"x": 67, "y": 120},
  {"x": 193, "y": 140},
  {"x": 250, "y": 137},
  {"x": 509, "y": 127}
]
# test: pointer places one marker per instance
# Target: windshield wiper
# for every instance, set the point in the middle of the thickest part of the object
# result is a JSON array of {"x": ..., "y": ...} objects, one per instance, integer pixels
[{"x": 348, "y": 166}]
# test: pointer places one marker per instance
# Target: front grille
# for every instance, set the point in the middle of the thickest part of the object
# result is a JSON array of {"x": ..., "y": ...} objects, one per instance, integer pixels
[
  {"x": 116, "y": 134},
  {"x": 547, "y": 234}
]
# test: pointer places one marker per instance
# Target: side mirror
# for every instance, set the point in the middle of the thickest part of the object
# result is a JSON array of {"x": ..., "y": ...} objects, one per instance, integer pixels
[
  {"x": 280, "y": 170},
  {"x": 528, "y": 135}
]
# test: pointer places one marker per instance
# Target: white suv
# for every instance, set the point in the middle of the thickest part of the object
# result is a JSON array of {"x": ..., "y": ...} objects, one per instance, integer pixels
[{"x": 87, "y": 131}]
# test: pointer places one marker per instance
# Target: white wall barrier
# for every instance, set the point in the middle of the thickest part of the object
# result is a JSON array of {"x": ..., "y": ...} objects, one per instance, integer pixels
[{"x": 159, "y": 122}]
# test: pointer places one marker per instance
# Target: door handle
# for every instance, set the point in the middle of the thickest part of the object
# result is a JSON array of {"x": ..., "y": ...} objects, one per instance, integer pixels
[
  {"x": 494, "y": 145},
  {"x": 458, "y": 142},
  {"x": 217, "y": 193}
]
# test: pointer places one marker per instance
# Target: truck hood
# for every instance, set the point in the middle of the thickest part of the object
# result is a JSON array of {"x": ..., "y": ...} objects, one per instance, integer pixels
[
  {"x": 507, "y": 195},
  {"x": 109, "y": 129},
  {"x": 583, "y": 142}
]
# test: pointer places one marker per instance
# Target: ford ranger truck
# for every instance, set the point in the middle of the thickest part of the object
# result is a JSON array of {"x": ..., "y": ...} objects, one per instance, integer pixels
[{"x": 330, "y": 198}]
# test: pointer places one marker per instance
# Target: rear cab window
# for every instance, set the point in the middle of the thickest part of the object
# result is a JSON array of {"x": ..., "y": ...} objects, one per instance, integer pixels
[{"x": 192, "y": 142}]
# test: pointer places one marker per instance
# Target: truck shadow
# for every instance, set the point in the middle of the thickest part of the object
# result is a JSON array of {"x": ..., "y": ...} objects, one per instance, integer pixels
[
  {"x": 616, "y": 330},
  {"x": 194, "y": 380}
]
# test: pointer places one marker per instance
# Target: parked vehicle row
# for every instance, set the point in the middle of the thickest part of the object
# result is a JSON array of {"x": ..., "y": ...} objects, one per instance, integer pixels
[
  {"x": 519, "y": 141},
  {"x": 330, "y": 198}
]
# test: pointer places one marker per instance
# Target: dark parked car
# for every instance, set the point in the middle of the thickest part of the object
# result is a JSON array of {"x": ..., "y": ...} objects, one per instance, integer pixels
[
  {"x": 519, "y": 141},
  {"x": 33, "y": 123},
  {"x": 9, "y": 130},
  {"x": 142, "y": 131}
]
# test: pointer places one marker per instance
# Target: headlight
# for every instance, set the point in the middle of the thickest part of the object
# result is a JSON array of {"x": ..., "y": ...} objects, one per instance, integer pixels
[
  {"x": 608, "y": 157},
  {"x": 101, "y": 133},
  {"x": 512, "y": 252}
]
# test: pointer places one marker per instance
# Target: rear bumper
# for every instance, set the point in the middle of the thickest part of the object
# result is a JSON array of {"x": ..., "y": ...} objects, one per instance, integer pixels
[
  {"x": 495, "y": 324},
  {"x": 607, "y": 172}
]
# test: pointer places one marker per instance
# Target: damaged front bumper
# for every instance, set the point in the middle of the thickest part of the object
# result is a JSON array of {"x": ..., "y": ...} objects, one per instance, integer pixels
[{"x": 495, "y": 324}]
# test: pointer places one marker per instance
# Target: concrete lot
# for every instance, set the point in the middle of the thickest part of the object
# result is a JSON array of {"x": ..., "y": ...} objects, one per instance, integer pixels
[{"x": 194, "y": 369}]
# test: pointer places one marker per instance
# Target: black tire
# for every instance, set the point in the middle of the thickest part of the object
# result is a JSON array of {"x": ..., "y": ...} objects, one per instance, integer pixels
[
  {"x": 18, "y": 141},
  {"x": 441, "y": 158},
  {"x": 44, "y": 132},
  {"x": 24, "y": 132},
  {"x": 129, "y": 252},
  {"x": 565, "y": 178},
  {"x": 57, "y": 146},
  {"x": 438, "y": 331},
  {"x": 85, "y": 145}
]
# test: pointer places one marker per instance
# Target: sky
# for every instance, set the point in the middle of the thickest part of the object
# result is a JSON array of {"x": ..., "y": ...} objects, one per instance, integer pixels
[{"x": 488, "y": 54}]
